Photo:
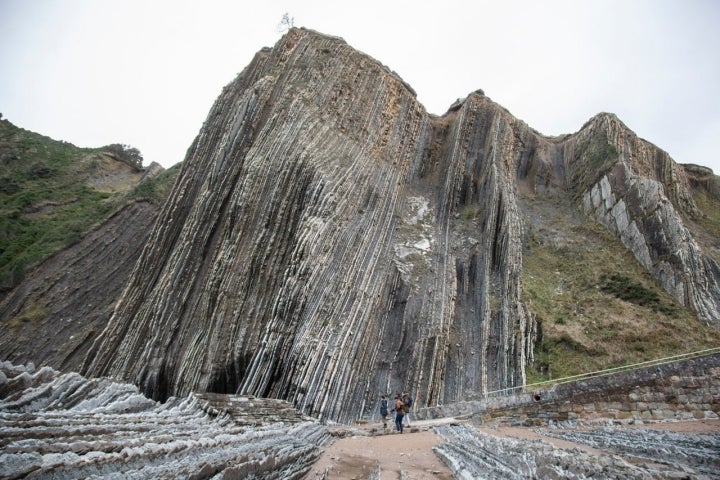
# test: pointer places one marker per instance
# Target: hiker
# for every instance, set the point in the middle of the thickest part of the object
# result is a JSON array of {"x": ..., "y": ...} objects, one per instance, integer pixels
[
  {"x": 407, "y": 402},
  {"x": 399, "y": 413},
  {"x": 384, "y": 410}
]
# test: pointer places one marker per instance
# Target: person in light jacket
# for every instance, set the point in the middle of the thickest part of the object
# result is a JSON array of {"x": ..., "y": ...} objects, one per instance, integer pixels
[{"x": 408, "y": 401}]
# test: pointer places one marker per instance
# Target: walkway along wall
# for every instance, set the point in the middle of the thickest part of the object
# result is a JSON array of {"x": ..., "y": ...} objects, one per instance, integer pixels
[{"x": 680, "y": 390}]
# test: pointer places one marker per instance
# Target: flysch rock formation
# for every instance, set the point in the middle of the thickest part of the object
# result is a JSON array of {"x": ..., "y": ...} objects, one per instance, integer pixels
[
  {"x": 327, "y": 239},
  {"x": 309, "y": 249},
  {"x": 64, "y": 426},
  {"x": 632, "y": 453}
]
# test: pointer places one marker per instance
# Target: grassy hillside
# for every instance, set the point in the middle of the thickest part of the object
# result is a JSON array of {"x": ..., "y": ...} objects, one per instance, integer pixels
[
  {"x": 596, "y": 306},
  {"x": 707, "y": 228},
  {"x": 52, "y": 192}
]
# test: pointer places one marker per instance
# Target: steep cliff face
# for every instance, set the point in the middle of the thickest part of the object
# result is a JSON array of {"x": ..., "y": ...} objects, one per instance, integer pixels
[
  {"x": 312, "y": 248},
  {"x": 639, "y": 194},
  {"x": 327, "y": 240}
]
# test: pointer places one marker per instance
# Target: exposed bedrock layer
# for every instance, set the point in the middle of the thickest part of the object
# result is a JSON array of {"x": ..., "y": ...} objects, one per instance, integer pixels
[
  {"x": 642, "y": 196},
  {"x": 64, "y": 426},
  {"x": 55, "y": 314},
  {"x": 327, "y": 240},
  {"x": 620, "y": 453}
]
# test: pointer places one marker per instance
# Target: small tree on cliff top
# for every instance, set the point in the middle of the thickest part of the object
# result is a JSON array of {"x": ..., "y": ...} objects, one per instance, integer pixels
[{"x": 286, "y": 23}]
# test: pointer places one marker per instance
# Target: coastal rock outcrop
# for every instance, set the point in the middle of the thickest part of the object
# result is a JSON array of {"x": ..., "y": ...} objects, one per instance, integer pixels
[
  {"x": 328, "y": 240},
  {"x": 61, "y": 426},
  {"x": 642, "y": 197},
  {"x": 312, "y": 247},
  {"x": 632, "y": 453}
]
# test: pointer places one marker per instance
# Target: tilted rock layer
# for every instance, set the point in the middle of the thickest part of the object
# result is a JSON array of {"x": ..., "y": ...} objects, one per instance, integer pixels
[
  {"x": 56, "y": 313},
  {"x": 327, "y": 240},
  {"x": 619, "y": 453},
  {"x": 64, "y": 426}
]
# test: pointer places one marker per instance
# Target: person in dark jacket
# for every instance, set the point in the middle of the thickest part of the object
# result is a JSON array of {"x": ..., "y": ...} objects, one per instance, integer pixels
[{"x": 384, "y": 410}]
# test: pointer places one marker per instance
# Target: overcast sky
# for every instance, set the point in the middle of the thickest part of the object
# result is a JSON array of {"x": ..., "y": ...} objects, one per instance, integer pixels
[{"x": 145, "y": 73}]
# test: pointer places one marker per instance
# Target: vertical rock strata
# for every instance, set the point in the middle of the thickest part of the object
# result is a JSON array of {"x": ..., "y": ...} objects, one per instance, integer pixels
[
  {"x": 310, "y": 251},
  {"x": 327, "y": 240}
]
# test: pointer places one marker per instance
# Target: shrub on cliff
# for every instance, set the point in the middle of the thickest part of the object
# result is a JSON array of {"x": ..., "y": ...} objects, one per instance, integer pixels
[{"x": 125, "y": 153}]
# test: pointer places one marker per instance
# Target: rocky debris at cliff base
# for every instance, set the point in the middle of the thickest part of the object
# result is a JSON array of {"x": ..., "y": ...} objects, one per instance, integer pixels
[
  {"x": 55, "y": 425},
  {"x": 248, "y": 410},
  {"x": 471, "y": 453}
]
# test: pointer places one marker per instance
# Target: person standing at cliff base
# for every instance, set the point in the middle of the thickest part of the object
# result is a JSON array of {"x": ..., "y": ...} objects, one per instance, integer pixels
[
  {"x": 407, "y": 401},
  {"x": 399, "y": 413},
  {"x": 384, "y": 410}
]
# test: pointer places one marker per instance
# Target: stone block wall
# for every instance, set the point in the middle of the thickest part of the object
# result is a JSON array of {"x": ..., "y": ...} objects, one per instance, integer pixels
[{"x": 681, "y": 390}]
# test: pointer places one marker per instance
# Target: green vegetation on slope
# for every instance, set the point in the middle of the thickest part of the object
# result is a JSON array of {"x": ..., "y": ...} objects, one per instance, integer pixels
[
  {"x": 590, "y": 162},
  {"x": 52, "y": 192},
  {"x": 597, "y": 307},
  {"x": 627, "y": 289},
  {"x": 158, "y": 188},
  {"x": 710, "y": 222}
]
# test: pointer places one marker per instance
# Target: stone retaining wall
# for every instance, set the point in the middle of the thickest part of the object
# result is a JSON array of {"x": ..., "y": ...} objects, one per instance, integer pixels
[{"x": 687, "y": 389}]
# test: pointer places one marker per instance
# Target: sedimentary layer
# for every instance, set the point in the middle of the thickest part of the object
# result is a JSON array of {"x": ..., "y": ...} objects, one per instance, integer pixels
[
  {"x": 65, "y": 426},
  {"x": 55, "y": 314}
]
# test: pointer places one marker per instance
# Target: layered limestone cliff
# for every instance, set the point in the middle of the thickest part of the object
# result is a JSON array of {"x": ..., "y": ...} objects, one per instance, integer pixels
[
  {"x": 328, "y": 240},
  {"x": 639, "y": 194},
  {"x": 313, "y": 247}
]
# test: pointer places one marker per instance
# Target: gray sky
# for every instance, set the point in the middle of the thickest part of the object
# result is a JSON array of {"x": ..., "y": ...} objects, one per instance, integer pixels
[{"x": 145, "y": 73}]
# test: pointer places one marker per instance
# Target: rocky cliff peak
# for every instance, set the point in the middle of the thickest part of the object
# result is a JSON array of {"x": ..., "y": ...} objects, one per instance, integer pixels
[
  {"x": 312, "y": 246},
  {"x": 327, "y": 240}
]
